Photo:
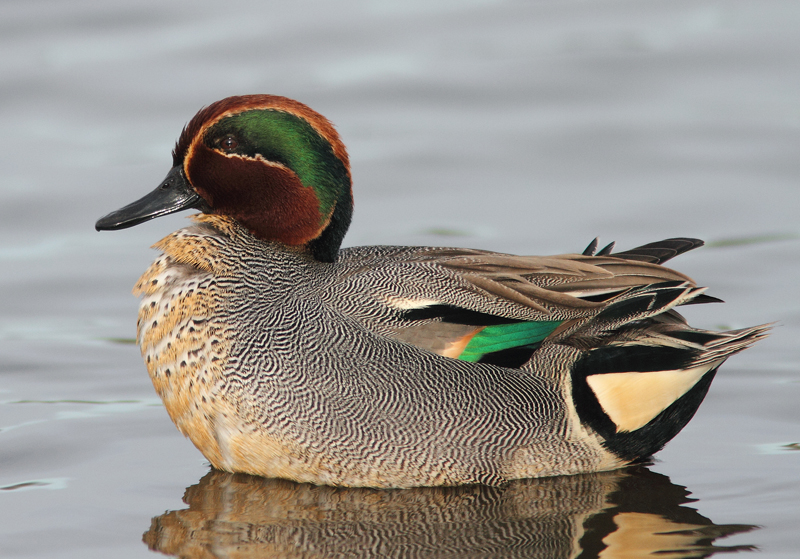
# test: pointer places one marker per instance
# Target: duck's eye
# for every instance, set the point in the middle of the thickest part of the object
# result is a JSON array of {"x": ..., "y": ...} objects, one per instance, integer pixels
[{"x": 228, "y": 143}]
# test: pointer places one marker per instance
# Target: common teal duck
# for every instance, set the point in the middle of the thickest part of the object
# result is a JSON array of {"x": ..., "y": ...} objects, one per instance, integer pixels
[{"x": 278, "y": 354}]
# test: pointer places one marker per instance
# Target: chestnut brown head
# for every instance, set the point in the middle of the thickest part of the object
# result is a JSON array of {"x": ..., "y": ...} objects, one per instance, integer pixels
[{"x": 271, "y": 163}]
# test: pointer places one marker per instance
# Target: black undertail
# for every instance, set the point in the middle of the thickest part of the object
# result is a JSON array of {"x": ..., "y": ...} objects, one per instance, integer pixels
[{"x": 650, "y": 438}]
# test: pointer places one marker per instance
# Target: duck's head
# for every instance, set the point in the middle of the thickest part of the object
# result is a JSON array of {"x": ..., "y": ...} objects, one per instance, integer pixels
[{"x": 271, "y": 163}]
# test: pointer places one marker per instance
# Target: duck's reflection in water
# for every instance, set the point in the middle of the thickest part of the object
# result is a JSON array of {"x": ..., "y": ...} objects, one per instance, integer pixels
[{"x": 621, "y": 514}]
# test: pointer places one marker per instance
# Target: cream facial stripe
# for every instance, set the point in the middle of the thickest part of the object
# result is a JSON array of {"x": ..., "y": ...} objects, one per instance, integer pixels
[{"x": 259, "y": 158}]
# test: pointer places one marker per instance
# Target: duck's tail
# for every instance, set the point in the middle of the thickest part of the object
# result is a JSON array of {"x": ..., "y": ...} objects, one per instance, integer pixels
[{"x": 643, "y": 372}]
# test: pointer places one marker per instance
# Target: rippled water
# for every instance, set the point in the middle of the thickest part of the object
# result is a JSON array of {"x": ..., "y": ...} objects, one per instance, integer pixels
[
  {"x": 623, "y": 513},
  {"x": 525, "y": 127}
]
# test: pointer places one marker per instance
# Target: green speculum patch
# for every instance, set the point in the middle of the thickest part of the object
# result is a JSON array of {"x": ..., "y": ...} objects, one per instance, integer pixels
[
  {"x": 502, "y": 337},
  {"x": 291, "y": 141}
]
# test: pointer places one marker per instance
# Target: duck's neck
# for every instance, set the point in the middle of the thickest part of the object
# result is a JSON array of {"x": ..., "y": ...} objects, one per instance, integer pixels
[{"x": 325, "y": 248}]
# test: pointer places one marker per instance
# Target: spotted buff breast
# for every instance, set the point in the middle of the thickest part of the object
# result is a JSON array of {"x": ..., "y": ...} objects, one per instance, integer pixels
[{"x": 279, "y": 354}]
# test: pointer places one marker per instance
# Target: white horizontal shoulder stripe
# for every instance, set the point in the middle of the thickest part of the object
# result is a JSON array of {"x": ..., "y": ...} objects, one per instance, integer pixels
[{"x": 404, "y": 303}]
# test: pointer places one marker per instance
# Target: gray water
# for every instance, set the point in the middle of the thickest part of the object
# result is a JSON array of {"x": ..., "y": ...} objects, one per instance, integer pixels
[{"x": 527, "y": 127}]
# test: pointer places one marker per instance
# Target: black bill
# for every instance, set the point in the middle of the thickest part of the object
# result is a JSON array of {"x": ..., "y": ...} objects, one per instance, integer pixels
[{"x": 172, "y": 195}]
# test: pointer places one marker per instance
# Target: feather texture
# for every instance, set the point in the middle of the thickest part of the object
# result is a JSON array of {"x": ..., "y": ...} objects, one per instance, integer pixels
[{"x": 289, "y": 368}]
